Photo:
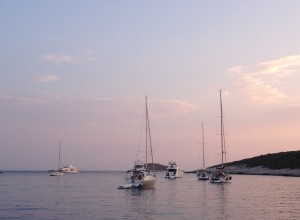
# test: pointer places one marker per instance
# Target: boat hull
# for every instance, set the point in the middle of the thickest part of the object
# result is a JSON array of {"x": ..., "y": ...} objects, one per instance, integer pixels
[
  {"x": 203, "y": 175},
  {"x": 171, "y": 175},
  {"x": 203, "y": 178},
  {"x": 146, "y": 184},
  {"x": 69, "y": 169},
  {"x": 173, "y": 171},
  {"x": 224, "y": 178},
  {"x": 55, "y": 173},
  {"x": 138, "y": 178}
]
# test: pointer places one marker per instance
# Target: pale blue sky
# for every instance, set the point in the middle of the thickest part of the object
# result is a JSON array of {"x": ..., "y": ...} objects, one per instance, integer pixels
[{"x": 79, "y": 71}]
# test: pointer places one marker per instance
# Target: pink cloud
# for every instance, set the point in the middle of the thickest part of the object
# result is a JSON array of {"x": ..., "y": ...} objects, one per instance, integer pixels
[{"x": 262, "y": 82}]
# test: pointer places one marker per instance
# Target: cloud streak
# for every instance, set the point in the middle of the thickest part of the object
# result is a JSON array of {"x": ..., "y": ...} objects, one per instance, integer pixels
[
  {"x": 262, "y": 82},
  {"x": 163, "y": 108},
  {"x": 58, "y": 59},
  {"x": 23, "y": 100},
  {"x": 47, "y": 78},
  {"x": 131, "y": 108}
]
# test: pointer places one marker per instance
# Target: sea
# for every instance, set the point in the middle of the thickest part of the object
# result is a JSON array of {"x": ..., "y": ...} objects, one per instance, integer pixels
[{"x": 94, "y": 195}]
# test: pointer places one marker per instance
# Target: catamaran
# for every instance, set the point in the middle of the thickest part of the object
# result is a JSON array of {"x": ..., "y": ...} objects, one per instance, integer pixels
[
  {"x": 221, "y": 175},
  {"x": 141, "y": 176}
]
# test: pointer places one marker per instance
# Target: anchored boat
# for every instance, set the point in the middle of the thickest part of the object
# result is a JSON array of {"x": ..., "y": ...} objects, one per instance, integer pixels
[
  {"x": 173, "y": 171},
  {"x": 221, "y": 175},
  {"x": 57, "y": 172},
  {"x": 69, "y": 169},
  {"x": 203, "y": 174},
  {"x": 141, "y": 176}
]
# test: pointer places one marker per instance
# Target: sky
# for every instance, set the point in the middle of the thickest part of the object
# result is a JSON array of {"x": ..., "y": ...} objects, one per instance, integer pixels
[{"x": 79, "y": 71}]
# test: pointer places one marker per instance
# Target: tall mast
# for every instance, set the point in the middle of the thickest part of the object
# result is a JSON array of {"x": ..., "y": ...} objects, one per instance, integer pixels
[
  {"x": 222, "y": 129},
  {"x": 148, "y": 136},
  {"x": 146, "y": 131},
  {"x": 203, "y": 146},
  {"x": 59, "y": 153}
]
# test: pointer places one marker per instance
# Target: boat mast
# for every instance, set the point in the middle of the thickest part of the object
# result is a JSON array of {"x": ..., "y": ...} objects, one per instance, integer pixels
[
  {"x": 203, "y": 146},
  {"x": 59, "y": 154},
  {"x": 146, "y": 131},
  {"x": 222, "y": 129},
  {"x": 148, "y": 135}
]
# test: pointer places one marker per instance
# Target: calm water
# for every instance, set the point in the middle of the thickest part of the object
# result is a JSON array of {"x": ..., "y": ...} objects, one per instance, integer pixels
[{"x": 94, "y": 195}]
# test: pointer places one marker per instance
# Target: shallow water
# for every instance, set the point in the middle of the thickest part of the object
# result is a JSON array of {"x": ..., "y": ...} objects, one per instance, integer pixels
[{"x": 94, "y": 195}]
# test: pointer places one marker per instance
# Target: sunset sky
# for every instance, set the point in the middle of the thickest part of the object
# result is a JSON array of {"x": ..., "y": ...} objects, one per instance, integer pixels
[{"x": 79, "y": 71}]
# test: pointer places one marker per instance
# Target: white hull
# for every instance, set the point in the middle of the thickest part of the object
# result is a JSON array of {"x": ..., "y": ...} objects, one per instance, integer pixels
[
  {"x": 220, "y": 177},
  {"x": 55, "y": 173},
  {"x": 147, "y": 182},
  {"x": 202, "y": 175},
  {"x": 173, "y": 171},
  {"x": 172, "y": 175},
  {"x": 136, "y": 181},
  {"x": 69, "y": 169}
]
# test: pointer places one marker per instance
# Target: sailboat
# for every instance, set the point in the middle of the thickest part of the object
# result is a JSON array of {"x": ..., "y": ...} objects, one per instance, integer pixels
[
  {"x": 141, "y": 176},
  {"x": 220, "y": 175},
  {"x": 69, "y": 169},
  {"x": 203, "y": 174},
  {"x": 57, "y": 172}
]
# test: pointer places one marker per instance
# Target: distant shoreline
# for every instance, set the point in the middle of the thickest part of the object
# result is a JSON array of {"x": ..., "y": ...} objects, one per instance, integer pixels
[
  {"x": 243, "y": 170},
  {"x": 233, "y": 169},
  {"x": 259, "y": 170}
]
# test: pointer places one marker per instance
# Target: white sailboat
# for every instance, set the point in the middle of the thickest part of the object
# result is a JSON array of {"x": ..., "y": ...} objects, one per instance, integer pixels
[
  {"x": 220, "y": 175},
  {"x": 69, "y": 169},
  {"x": 57, "y": 172},
  {"x": 203, "y": 173},
  {"x": 141, "y": 176},
  {"x": 173, "y": 171}
]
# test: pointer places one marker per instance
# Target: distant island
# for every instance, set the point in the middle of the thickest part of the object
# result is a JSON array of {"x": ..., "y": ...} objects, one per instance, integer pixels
[
  {"x": 157, "y": 166},
  {"x": 277, "y": 164}
]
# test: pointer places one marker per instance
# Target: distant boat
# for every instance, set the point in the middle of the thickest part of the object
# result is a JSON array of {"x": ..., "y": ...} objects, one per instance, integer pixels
[
  {"x": 57, "y": 172},
  {"x": 221, "y": 175},
  {"x": 203, "y": 174},
  {"x": 173, "y": 171},
  {"x": 141, "y": 176},
  {"x": 69, "y": 169}
]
